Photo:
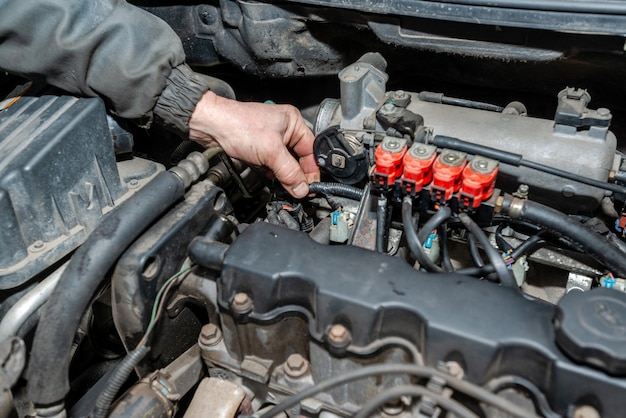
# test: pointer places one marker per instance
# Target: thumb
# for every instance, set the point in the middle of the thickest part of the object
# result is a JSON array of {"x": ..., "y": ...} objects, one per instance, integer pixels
[{"x": 289, "y": 173}]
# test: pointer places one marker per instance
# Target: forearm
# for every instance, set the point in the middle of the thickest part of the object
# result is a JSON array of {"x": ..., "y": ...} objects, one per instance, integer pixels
[{"x": 104, "y": 48}]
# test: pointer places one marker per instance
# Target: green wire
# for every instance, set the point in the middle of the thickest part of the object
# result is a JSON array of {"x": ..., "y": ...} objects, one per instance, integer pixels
[{"x": 157, "y": 302}]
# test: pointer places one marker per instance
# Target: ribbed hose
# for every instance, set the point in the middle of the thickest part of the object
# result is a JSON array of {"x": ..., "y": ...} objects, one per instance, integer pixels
[
  {"x": 117, "y": 379},
  {"x": 47, "y": 376},
  {"x": 337, "y": 189},
  {"x": 593, "y": 243}
]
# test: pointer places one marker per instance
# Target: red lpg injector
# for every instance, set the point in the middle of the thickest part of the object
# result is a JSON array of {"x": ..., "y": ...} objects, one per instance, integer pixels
[
  {"x": 388, "y": 157},
  {"x": 447, "y": 171},
  {"x": 479, "y": 179},
  {"x": 418, "y": 163}
]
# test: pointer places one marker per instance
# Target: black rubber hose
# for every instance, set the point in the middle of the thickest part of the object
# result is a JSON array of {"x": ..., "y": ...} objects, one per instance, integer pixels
[
  {"x": 529, "y": 246},
  {"x": 442, "y": 215},
  {"x": 432, "y": 97},
  {"x": 504, "y": 274},
  {"x": 446, "y": 263},
  {"x": 115, "y": 382},
  {"x": 591, "y": 242},
  {"x": 337, "y": 189},
  {"x": 412, "y": 239},
  {"x": 47, "y": 375},
  {"x": 474, "y": 252}
]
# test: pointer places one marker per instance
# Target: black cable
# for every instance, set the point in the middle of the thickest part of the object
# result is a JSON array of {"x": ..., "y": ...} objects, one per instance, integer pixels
[
  {"x": 504, "y": 274},
  {"x": 442, "y": 215},
  {"x": 502, "y": 244},
  {"x": 525, "y": 248},
  {"x": 412, "y": 239},
  {"x": 518, "y": 160},
  {"x": 394, "y": 393},
  {"x": 616, "y": 188},
  {"x": 474, "y": 252},
  {"x": 337, "y": 189},
  {"x": 445, "y": 251},
  {"x": 528, "y": 247},
  {"x": 469, "y": 389}
]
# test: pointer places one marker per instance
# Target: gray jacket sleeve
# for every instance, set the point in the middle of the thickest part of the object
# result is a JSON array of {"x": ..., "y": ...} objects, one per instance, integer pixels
[{"x": 106, "y": 48}]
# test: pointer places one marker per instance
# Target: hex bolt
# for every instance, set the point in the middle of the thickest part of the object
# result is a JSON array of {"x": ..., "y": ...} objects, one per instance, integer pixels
[
  {"x": 241, "y": 302},
  {"x": 604, "y": 112},
  {"x": 339, "y": 335},
  {"x": 210, "y": 335},
  {"x": 585, "y": 411},
  {"x": 296, "y": 366}
]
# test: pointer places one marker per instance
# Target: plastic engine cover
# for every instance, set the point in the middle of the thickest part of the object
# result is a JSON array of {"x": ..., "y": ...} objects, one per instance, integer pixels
[{"x": 58, "y": 177}]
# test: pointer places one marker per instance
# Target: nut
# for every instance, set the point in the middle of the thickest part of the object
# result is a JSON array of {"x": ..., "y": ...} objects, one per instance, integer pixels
[
  {"x": 241, "y": 302},
  {"x": 338, "y": 335},
  {"x": 210, "y": 335},
  {"x": 296, "y": 366}
]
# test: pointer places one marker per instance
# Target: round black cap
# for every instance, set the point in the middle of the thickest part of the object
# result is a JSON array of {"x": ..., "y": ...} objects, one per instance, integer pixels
[{"x": 591, "y": 328}]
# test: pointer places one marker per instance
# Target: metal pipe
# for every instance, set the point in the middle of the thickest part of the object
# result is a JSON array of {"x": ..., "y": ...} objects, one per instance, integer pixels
[{"x": 28, "y": 304}]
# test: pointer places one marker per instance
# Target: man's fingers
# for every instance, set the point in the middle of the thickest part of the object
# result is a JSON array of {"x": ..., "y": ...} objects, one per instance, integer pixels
[{"x": 289, "y": 173}]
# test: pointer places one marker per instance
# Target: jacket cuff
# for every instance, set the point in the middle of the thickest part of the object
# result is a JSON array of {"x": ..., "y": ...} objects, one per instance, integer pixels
[{"x": 183, "y": 90}]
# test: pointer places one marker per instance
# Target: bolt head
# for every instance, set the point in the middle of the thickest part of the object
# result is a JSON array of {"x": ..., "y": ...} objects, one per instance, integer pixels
[
  {"x": 296, "y": 365},
  {"x": 338, "y": 335},
  {"x": 604, "y": 112},
  {"x": 241, "y": 302},
  {"x": 210, "y": 335},
  {"x": 393, "y": 144},
  {"x": 450, "y": 157},
  {"x": 482, "y": 164}
]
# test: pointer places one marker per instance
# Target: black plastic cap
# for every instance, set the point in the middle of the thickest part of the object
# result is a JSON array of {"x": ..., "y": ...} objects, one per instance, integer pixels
[{"x": 591, "y": 328}]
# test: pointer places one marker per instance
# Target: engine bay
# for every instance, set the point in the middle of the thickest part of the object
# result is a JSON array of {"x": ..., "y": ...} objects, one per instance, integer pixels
[{"x": 458, "y": 259}]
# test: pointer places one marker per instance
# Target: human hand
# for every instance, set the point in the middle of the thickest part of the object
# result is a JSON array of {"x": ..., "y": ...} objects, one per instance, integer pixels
[{"x": 259, "y": 134}]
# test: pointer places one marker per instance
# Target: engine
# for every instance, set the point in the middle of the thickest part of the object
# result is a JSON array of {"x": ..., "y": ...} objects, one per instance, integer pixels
[{"x": 459, "y": 259}]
